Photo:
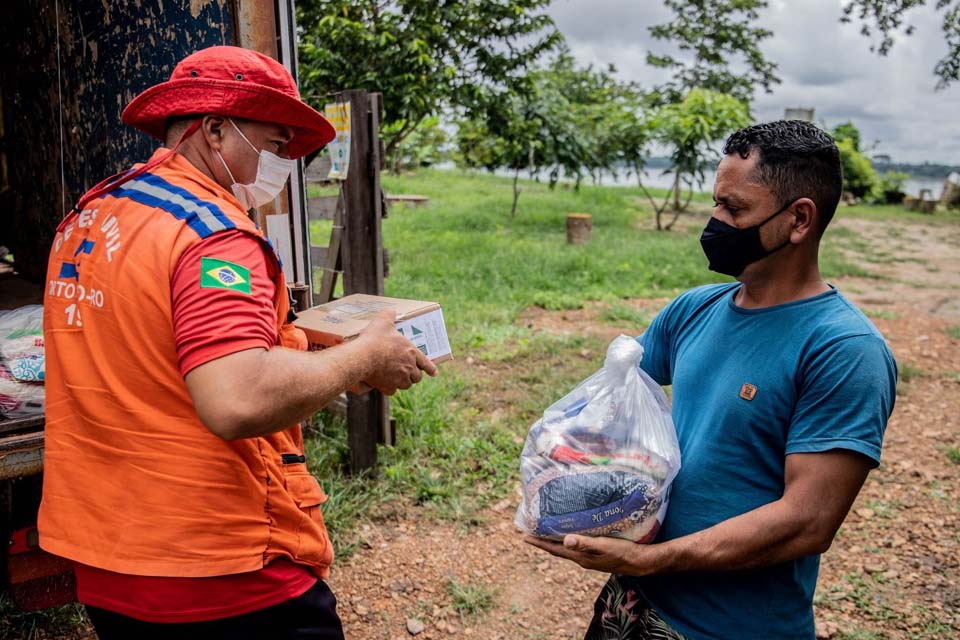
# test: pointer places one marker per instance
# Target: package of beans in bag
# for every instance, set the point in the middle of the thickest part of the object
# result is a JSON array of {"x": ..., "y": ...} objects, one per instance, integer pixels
[
  {"x": 22, "y": 362},
  {"x": 601, "y": 459},
  {"x": 21, "y": 342}
]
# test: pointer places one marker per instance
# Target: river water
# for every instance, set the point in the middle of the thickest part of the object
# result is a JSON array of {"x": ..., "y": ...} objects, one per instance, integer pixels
[
  {"x": 912, "y": 186},
  {"x": 656, "y": 178}
]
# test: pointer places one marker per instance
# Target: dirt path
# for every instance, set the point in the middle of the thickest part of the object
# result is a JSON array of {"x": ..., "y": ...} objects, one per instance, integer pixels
[
  {"x": 891, "y": 573},
  {"x": 918, "y": 266}
]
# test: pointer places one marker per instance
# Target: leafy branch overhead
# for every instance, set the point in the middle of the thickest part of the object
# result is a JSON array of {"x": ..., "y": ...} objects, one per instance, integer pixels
[
  {"x": 691, "y": 129},
  {"x": 567, "y": 120},
  {"x": 721, "y": 46},
  {"x": 422, "y": 55},
  {"x": 887, "y": 17},
  {"x": 499, "y": 71}
]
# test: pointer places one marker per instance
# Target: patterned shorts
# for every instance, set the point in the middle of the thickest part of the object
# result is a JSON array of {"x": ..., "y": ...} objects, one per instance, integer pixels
[{"x": 622, "y": 613}]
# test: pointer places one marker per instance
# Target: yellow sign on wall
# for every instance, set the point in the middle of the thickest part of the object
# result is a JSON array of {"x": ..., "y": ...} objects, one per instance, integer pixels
[{"x": 339, "y": 116}]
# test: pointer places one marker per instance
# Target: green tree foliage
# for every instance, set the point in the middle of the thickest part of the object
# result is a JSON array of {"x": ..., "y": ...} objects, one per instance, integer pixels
[
  {"x": 633, "y": 133},
  {"x": 889, "y": 188},
  {"x": 691, "y": 129},
  {"x": 887, "y": 17},
  {"x": 421, "y": 55},
  {"x": 531, "y": 129},
  {"x": 847, "y": 131},
  {"x": 576, "y": 120},
  {"x": 604, "y": 113},
  {"x": 859, "y": 176},
  {"x": 568, "y": 120},
  {"x": 715, "y": 33},
  {"x": 514, "y": 132},
  {"x": 425, "y": 146}
]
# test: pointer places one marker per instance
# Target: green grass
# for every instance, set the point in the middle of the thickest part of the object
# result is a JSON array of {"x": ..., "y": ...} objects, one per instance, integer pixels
[
  {"x": 460, "y": 435},
  {"x": 898, "y": 213},
  {"x": 953, "y": 454},
  {"x": 838, "y": 244},
  {"x": 556, "y": 301},
  {"x": 623, "y": 315},
  {"x": 907, "y": 372},
  {"x": 442, "y": 454},
  {"x": 882, "y": 314},
  {"x": 449, "y": 459},
  {"x": 470, "y": 600},
  {"x": 40, "y": 625},
  {"x": 464, "y": 250},
  {"x": 884, "y": 508},
  {"x": 864, "y": 591},
  {"x": 860, "y": 635},
  {"x": 953, "y": 332},
  {"x": 835, "y": 250}
]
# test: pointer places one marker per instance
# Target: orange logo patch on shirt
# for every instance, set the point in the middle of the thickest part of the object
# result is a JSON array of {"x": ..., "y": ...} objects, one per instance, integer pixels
[{"x": 748, "y": 391}]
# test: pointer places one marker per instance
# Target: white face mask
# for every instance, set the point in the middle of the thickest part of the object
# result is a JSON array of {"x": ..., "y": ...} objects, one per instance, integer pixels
[{"x": 272, "y": 174}]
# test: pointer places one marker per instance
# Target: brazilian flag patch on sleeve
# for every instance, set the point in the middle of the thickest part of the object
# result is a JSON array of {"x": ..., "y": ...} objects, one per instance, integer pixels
[{"x": 220, "y": 274}]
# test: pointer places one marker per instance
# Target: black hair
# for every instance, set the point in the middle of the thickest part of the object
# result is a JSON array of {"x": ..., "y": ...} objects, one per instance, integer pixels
[
  {"x": 173, "y": 121},
  {"x": 177, "y": 121},
  {"x": 795, "y": 159}
]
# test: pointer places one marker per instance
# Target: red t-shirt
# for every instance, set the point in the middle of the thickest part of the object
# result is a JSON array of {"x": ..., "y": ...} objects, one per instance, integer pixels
[
  {"x": 176, "y": 600},
  {"x": 209, "y": 322}
]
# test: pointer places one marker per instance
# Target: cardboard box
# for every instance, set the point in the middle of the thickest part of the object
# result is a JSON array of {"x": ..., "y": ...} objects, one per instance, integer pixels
[{"x": 336, "y": 322}]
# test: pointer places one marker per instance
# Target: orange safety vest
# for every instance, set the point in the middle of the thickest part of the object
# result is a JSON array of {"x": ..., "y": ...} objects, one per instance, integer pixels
[{"x": 133, "y": 481}]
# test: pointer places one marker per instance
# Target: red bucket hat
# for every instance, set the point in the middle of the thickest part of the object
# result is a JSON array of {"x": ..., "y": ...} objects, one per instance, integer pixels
[{"x": 231, "y": 81}]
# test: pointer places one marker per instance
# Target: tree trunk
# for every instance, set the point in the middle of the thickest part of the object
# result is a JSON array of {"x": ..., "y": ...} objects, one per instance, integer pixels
[
  {"x": 397, "y": 142},
  {"x": 676, "y": 191},
  {"x": 579, "y": 226},
  {"x": 657, "y": 209},
  {"x": 398, "y": 159},
  {"x": 516, "y": 191},
  {"x": 676, "y": 214}
]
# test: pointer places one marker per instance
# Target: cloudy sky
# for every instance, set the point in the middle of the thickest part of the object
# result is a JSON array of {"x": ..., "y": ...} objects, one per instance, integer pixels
[{"x": 823, "y": 64}]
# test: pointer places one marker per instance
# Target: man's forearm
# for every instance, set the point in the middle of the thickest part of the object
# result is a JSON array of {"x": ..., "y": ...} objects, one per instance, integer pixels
[
  {"x": 301, "y": 383},
  {"x": 819, "y": 489},
  {"x": 259, "y": 391},
  {"x": 771, "y": 534},
  {"x": 288, "y": 386}
]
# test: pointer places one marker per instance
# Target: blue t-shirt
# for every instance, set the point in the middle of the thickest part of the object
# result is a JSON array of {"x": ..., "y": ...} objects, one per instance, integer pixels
[{"x": 751, "y": 386}]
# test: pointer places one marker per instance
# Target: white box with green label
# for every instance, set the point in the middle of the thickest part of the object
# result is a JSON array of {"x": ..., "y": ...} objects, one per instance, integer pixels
[{"x": 341, "y": 320}]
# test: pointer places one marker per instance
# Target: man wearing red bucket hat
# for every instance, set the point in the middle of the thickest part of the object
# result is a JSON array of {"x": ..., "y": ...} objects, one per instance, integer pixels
[{"x": 175, "y": 474}]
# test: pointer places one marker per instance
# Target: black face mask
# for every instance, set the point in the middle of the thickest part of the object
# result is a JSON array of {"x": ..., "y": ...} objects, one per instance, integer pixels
[{"x": 729, "y": 249}]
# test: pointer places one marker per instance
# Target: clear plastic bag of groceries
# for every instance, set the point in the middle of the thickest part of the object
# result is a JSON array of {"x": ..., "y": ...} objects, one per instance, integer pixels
[
  {"x": 22, "y": 362},
  {"x": 601, "y": 460},
  {"x": 21, "y": 342}
]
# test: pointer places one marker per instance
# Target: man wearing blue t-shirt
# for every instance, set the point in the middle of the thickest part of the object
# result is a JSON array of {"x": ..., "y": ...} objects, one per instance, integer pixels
[{"x": 781, "y": 393}]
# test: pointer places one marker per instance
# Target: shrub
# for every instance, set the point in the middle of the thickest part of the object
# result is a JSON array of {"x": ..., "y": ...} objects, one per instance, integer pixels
[
  {"x": 859, "y": 176},
  {"x": 889, "y": 188}
]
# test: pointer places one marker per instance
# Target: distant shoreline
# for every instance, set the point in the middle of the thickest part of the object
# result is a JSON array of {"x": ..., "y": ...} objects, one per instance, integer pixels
[
  {"x": 917, "y": 170},
  {"x": 654, "y": 177}
]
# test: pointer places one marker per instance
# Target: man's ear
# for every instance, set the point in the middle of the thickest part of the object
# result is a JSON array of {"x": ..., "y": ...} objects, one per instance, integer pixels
[
  {"x": 212, "y": 128},
  {"x": 805, "y": 220}
]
